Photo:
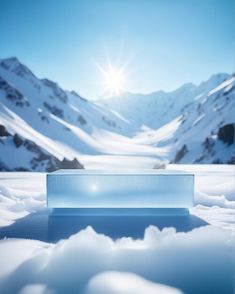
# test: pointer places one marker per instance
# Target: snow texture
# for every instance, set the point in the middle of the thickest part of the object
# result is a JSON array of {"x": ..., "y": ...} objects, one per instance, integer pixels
[
  {"x": 44, "y": 127},
  {"x": 41, "y": 124},
  {"x": 200, "y": 260}
]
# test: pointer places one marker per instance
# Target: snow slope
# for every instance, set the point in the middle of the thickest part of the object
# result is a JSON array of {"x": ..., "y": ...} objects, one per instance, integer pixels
[
  {"x": 59, "y": 123},
  {"x": 43, "y": 127},
  {"x": 203, "y": 131},
  {"x": 159, "y": 108}
]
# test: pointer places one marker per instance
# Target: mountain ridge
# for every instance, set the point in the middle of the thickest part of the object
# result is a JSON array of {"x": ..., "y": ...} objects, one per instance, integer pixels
[{"x": 58, "y": 126}]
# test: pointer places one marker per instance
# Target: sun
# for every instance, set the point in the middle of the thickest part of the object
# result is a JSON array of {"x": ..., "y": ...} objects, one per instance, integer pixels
[{"x": 113, "y": 81}]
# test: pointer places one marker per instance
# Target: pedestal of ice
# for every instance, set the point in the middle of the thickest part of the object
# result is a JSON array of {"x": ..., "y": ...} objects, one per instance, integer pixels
[{"x": 116, "y": 190}]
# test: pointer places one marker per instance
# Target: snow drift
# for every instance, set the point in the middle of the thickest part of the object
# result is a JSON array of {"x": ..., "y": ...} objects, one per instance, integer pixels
[{"x": 201, "y": 261}]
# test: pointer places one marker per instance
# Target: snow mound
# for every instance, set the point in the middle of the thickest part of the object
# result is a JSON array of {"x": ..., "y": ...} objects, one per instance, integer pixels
[
  {"x": 126, "y": 283},
  {"x": 201, "y": 261}
]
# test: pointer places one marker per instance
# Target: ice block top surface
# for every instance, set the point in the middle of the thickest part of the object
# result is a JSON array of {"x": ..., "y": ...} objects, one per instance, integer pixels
[{"x": 119, "y": 172}]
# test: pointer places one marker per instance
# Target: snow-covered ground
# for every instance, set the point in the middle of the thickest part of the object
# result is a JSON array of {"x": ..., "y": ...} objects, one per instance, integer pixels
[
  {"x": 41, "y": 124},
  {"x": 200, "y": 259}
]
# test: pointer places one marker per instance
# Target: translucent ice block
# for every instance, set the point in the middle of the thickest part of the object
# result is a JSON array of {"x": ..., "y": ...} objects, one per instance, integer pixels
[{"x": 97, "y": 189}]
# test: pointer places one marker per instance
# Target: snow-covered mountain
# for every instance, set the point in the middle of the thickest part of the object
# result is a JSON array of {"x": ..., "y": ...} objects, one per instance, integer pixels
[
  {"x": 203, "y": 131},
  {"x": 194, "y": 124},
  {"x": 151, "y": 111},
  {"x": 43, "y": 127}
]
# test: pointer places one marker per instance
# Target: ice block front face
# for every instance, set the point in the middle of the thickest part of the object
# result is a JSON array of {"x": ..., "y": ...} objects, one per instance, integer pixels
[{"x": 86, "y": 189}]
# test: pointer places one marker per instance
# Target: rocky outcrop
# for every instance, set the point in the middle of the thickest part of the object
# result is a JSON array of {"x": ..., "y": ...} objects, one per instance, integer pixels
[
  {"x": 41, "y": 160},
  {"x": 3, "y": 131},
  {"x": 18, "y": 140},
  {"x": 56, "y": 90},
  {"x": 226, "y": 134},
  {"x": 12, "y": 64},
  {"x": 76, "y": 94},
  {"x": 70, "y": 164},
  {"x": 54, "y": 110},
  {"x": 109, "y": 122},
  {"x": 181, "y": 153},
  {"x": 13, "y": 94},
  {"x": 208, "y": 144},
  {"x": 50, "y": 163},
  {"x": 82, "y": 120}
]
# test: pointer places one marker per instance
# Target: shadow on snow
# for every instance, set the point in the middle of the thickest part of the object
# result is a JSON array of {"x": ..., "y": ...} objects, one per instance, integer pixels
[{"x": 49, "y": 226}]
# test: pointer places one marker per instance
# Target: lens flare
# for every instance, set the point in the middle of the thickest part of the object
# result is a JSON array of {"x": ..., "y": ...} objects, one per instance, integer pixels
[{"x": 113, "y": 80}]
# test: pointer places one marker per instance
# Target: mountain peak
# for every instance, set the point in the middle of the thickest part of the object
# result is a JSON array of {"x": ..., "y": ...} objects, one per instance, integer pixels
[
  {"x": 184, "y": 88},
  {"x": 13, "y": 64},
  {"x": 12, "y": 59},
  {"x": 216, "y": 79},
  {"x": 10, "y": 62}
]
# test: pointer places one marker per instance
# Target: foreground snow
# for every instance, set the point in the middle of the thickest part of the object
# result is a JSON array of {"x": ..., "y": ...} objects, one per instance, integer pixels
[
  {"x": 163, "y": 261},
  {"x": 201, "y": 261}
]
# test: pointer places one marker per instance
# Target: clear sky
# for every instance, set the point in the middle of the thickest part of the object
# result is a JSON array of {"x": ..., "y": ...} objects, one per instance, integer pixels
[{"x": 164, "y": 43}]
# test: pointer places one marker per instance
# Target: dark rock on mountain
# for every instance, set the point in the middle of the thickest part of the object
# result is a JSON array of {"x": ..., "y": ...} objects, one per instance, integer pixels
[
  {"x": 31, "y": 146},
  {"x": 108, "y": 121},
  {"x": 217, "y": 161},
  {"x": 232, "y": 160},
  {"x": 41, "y": 159},
  {"x": 44, "y": 162},
  {"x": 200, "y": 159},
  {"x": 82, "y": 120},
  {"x": 76, "y": 94},
  {"x": 14, "y": 65},
  {"x": 22, "y": 169},
  {"x": 18, "y": 140},
  {"x": 3, "y": 131},
  {"x": 57, "y": 91},
  {"x": 227, "y": 133},
  {"x": 209, "y": 144},
  {"x": 47, "y": 162},
  {"x": 71, "y": 164},
  {"x": 52, "y": 163},
  {"x": 181, "y": 153},
  {"x": 13, "y": 94},
  {"x": 54, "y": 110},
  {"x": 160, "y": 166},
  {"x": 43, "y": 116}
]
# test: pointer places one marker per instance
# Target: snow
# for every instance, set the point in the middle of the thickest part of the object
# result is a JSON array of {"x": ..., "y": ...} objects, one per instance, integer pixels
[
  {"x": 159, "y": 108},
  {"x": 227, "y": 85},
  {"x": 20, "y": 194},
  {"x": 23, "y": 193},
  {"x": 126, "y": 283},
  {"x": 200, "y": 261},
  {"x": 73, "y": 265},
  {"x": 26, "y": 249},
  {"x": 130, "y": 131},
  {"x": 152, "y": 128}
]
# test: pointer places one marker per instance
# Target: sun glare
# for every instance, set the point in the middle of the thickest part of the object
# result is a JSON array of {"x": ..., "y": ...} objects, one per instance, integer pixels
[{"x": 113, "y": 81}]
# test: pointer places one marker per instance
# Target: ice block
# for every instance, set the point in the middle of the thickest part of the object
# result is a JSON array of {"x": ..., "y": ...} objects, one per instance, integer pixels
[{"x": 116, "y": 189}]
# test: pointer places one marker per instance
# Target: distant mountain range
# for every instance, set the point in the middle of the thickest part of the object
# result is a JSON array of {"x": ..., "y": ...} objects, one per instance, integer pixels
[{"x": 43, "y": 127}]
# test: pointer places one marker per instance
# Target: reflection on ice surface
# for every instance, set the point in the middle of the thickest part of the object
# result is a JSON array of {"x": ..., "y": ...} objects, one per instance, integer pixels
[{"x": 51, "y": 227}]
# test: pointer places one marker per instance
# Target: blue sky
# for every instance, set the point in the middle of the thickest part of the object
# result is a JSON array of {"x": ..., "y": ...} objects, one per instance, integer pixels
[{"x": 164, "y": 43}]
